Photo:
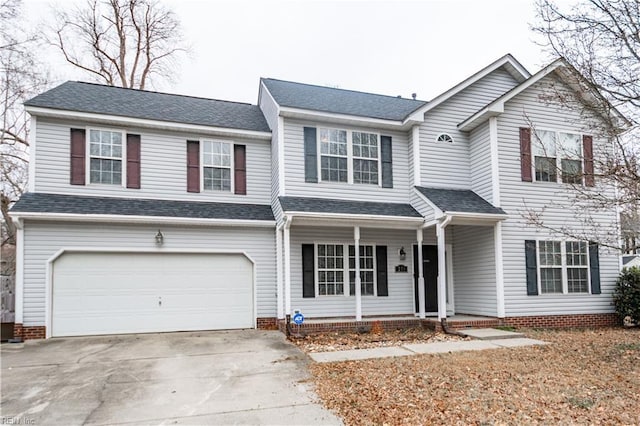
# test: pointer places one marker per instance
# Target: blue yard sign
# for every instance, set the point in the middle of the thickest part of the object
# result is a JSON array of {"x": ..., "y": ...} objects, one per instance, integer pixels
[{"x": 298, "y": 318}]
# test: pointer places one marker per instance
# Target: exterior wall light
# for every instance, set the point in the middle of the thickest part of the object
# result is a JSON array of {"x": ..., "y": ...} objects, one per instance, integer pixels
[
  {"x": 159, "y": 238},
  {"x": 402, "y": 253}
]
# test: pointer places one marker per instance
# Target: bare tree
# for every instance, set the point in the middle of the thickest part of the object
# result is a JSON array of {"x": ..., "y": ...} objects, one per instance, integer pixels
[
  {"x": 21, "y": 76},
  {"x": 127, "y": 43},
  {"x": 600, "y": 40}
]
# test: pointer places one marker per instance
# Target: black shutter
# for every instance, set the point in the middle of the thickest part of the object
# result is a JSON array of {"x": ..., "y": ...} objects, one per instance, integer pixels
[
  {"x": 308, "y": 271},
  {"x": 594, "y": 266},
  {"x": 386, "y": 154},
  {"x": 310, "y": 155},
  {"x": 532, "y": 267},
  {"x": 381, "y": 270}
]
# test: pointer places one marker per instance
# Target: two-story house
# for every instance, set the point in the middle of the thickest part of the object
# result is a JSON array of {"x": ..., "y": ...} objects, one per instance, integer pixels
[{"x": 154, "y": 212}]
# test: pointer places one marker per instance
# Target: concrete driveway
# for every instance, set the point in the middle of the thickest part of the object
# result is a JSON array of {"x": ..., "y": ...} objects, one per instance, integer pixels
[{"x": 227, "y": 377}]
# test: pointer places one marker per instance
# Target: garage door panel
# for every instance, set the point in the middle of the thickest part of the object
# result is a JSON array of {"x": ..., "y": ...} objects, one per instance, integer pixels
[{"x": 110, "y": 293}]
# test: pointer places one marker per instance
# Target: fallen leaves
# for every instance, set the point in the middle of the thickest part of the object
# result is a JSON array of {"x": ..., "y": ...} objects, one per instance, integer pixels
[
  {"x": 584, "y": 377},
  {"x": 341, "y": 341}
]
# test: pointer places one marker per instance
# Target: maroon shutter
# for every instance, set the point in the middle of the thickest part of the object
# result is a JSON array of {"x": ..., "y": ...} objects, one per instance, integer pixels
[
  {"x": 78, "y": 150},
  {"x": 587, "y": 151},
  {"x": 193, "y": 166},
  {"x": 525, "y": 154},
  {"x": 240, "y": 169},
  {"x": 133, "y": 161}
]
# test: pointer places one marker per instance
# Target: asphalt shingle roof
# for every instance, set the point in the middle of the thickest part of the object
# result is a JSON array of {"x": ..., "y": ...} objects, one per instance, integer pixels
[
  {"x": 324, "y": 205},
  {"x": 458, "y": 200},
  {"x": 340, "y": 101},
  {"x": 100, "y": 99},
  {"x": 73, "y": 204}
]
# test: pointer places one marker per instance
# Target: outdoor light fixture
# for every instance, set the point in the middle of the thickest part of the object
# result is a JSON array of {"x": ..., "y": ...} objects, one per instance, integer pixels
[
  {"x": 402, "y": 253},
  {"x": 159, "y": 238}
]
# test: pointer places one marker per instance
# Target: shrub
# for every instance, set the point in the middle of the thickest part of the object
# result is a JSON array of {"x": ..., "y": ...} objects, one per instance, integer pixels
[{"x": 627, "y": 295}]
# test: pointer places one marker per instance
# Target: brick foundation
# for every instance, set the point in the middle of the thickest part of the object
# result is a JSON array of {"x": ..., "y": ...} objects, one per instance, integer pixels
[
  {"x": 29, "y": 333},
  {"x": 565, "y": 321},
  {"x": 267, "y": 323},
  {"x": 349, "y": 326}
]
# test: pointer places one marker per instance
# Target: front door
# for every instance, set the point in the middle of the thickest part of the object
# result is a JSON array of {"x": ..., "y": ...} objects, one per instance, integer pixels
[{"x": 430, "y": 273}]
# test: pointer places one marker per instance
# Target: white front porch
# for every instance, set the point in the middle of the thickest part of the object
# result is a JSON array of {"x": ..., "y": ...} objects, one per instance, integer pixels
[{"x": 406, "y": 297}]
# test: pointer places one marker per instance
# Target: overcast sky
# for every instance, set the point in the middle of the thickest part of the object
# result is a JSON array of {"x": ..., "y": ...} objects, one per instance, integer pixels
[{"x": 387, "y": 47}]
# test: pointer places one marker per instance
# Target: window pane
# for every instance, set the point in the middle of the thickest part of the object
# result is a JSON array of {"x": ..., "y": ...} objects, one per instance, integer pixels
[
  {"x": 544, "y": 143},
  {"x": 550, "y": 254},
  {"x": 551, "y": 280},
  {"x": 571, "y": 171},
  {"x": 365, "y": 171},
  {"x": 94, "y": 136},
  {"x": 577, "y": 280},
  {"x": 570, "y": 145},
  {"x": 546, "y": 169}
]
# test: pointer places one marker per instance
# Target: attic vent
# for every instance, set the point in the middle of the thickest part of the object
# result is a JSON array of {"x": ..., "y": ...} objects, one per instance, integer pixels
[{"x": 444, "y": 137}]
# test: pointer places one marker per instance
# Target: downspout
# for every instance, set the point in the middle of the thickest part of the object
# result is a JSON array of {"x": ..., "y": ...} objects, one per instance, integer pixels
[
  {"x": 443, "y": 322},
  {"x": 287, "y": 278}
]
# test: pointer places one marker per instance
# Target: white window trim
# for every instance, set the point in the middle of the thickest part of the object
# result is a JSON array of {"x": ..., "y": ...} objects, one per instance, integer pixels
[
  {"x": 123, "y": 159},
  {"x": 350, "y": 156},
  {"x": 231, "y": 144},
  {"x": 345, "y": 268},
  {"x": 563, "y": 267},
  {"x": 559, "y": 158},
  {"x": 447, "y": 134}
]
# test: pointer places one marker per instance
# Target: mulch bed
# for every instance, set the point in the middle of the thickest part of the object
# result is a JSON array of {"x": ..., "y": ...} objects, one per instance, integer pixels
[
  {"x": 583, "y": 377},
  {"x": 341, "y": 341}
]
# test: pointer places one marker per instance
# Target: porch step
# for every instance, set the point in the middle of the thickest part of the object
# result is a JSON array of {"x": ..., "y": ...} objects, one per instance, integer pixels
[{"x": 490, "y": 334}]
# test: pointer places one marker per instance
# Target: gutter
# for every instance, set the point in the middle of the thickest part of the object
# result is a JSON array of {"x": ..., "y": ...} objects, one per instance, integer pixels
[{"x": 166, "y": 220}]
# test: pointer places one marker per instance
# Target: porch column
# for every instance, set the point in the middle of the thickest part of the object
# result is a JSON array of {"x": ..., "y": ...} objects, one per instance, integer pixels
[
  {"x": 287, "y": 267},
  {"x": 358, "y": 281},
  {"x": 442, "y": 273},
  {"x": 279, "y": 275},
  {"x": 497, "y": 239},
  {"x": 421, "y": 295}
]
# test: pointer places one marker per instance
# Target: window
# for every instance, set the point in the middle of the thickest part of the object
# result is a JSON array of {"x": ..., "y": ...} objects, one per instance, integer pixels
[
  {"x": 105, "y": 157},
  {"x": 216, "y": 165},
  {"x": 577, "y": 267},
  {"x": 564, "y": 267},
  {"x": 444, "y": 137},
  {"x": 365, "y": 157},
  {"x": 333, "y": 155},
  {"x": 349, "y": 156},
  {"x": 330, "y": 269},
  {"x": 557, "y": 152},
  {"x": 337, "y": 262},
  {"x": 367, "y": 271}
]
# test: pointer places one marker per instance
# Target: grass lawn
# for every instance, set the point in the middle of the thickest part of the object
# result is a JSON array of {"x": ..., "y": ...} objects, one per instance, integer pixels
[{"x": 583, "y": 377}]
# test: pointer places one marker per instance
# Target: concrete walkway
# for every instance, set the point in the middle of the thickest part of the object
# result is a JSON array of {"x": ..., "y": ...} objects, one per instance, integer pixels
[{"x": 425, "y": 348}]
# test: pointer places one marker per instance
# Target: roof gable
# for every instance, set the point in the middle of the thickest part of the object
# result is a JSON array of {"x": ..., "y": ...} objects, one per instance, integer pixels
[
  {"x": 141, "y": 104},
  {"x": 507, "y": 62},
  {"x": 562, "y": 70},
  {"x": 340, "y": 101}
]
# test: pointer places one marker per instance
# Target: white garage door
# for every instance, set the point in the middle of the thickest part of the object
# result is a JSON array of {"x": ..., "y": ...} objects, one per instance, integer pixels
[{"x": 110, "y": 293}]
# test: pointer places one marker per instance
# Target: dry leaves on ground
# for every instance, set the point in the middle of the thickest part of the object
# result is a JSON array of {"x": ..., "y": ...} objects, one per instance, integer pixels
[
  {"x": 583, "y": 377},
  {"x": 341, "y": 341}
]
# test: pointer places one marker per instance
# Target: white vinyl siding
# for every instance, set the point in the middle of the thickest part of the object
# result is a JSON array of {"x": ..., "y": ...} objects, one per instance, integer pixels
[
  {"x": 474, "y": 271},
  {"x": 401, "y": 286},
  {"x": 559, "y": 212},
  {"x": 448, "y": 164},
  {"x": 270, "y": 111},
  {"x": 43, "y": 240},
  {"x": 480, "y": 162},
  {"x": 421, "y": 206},
  {"x": 294, "y": 166},
  {"x": 163, "y": 166}
]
